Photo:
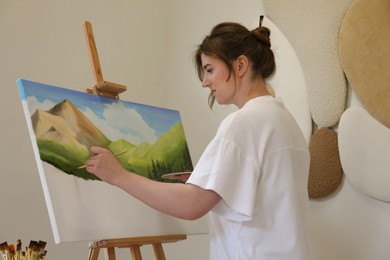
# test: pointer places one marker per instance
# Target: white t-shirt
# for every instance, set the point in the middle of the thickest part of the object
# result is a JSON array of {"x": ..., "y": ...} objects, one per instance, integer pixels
[{"x": 258, "y": 163}]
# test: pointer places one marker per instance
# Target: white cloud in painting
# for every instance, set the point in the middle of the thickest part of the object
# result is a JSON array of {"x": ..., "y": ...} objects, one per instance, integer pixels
[
  {"x": 121, "y": 122},
  {"x": 34, "y": 104}
]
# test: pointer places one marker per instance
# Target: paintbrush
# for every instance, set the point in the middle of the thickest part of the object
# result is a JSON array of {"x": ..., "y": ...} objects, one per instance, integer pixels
[
  {"x": 42, "y": 245},
  {"x": 19, "y": 250},
  {"x": 11, "y": 251},
  {"x": 3, "y": 248},
  {"x": 85, "y": 166}
]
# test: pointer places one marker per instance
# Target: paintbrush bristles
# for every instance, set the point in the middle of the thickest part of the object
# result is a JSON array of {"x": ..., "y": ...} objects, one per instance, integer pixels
[{"x": 35, "y": 251}]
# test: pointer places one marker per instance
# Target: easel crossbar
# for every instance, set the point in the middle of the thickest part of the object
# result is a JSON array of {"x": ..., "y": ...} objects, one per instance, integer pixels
[
  {"x": 125, "y": 242},
  {"x": 134, "y": 243}
]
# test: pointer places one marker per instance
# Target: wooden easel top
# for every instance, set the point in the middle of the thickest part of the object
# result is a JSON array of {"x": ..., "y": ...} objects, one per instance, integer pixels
[{"x": 101, "y": 87}]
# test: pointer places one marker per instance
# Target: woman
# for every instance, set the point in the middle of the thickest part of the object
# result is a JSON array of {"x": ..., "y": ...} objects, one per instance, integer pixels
[{"x": 252, "y": 177}]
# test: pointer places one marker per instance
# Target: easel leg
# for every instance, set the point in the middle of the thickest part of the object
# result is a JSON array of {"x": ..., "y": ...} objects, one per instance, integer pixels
[
  {"x": 159, "y": 252},
  {"x": 135, "y": 252},
  {"x": 109, "y": 253},
  {"x": 93, "y": 254}
]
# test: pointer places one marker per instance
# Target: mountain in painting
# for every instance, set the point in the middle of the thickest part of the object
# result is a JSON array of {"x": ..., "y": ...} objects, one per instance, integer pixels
[
  {"x": 64, "y": 123},
  {"x": 64, "y": 135}
]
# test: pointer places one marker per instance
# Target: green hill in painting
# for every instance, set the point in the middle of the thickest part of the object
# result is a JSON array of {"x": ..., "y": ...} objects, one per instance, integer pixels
[
  {"x": 168, "y": 154},
  {"x": 64, "y": 135}
]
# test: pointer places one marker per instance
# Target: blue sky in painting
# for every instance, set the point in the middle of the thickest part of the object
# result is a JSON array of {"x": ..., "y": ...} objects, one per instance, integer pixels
[{"x": 116, "y": 118}]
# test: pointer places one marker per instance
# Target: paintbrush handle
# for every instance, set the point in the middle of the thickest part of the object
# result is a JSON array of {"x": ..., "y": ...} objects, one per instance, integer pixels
[{"x": 85, "y": 166}]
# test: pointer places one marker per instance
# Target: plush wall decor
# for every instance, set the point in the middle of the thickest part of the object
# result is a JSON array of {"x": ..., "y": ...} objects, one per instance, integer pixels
[
  {"x": 312, "y": 27},
  {"x": 364, "y": 145},
  {"x": 326, "y": 173},
  {"x": 365, "y": 55}
]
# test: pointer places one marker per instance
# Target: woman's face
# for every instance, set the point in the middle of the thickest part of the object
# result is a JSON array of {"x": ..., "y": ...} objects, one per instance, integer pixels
[{"x": 216, "y": 74}]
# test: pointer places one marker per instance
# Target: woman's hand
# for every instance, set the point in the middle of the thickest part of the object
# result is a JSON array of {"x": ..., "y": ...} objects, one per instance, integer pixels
[
  {"x": 104, "y": 165},
  {"x": 184, "y": 201}
]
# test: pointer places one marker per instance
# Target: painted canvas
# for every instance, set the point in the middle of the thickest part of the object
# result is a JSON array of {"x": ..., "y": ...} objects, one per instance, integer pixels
[{"x": 150, "y": 141}]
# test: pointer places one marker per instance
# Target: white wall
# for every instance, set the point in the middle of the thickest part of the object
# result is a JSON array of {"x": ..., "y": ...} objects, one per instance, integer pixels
[{"x": 146, "y": 45}]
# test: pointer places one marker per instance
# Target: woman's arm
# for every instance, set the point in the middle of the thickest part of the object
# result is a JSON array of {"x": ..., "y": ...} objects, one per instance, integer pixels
[{"x": 185, "y": 201}]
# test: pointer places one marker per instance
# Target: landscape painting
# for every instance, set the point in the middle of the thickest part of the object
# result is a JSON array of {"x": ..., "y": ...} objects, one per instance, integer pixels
[{"x": 147, "y": 140}]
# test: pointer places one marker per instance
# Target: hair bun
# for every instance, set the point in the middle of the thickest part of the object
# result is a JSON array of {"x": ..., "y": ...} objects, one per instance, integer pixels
[{"x": 262, "y": 34}]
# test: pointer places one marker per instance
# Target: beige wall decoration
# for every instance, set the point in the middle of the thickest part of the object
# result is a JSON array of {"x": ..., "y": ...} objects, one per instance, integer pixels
[
  {"x": 350, "y": 37},
  {"x": 324, "y": 177},
  {"x": 365, "y": 55},
  {"x": 364, "y": 145},
  {"x": 313, "y": 28},
  {"x": 364, "y": 133}
]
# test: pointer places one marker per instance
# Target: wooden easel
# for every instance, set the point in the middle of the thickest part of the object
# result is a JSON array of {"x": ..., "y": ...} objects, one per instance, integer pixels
[{"x": 112, "y": 90}]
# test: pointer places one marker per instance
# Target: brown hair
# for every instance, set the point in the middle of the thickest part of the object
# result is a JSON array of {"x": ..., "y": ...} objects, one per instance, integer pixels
[{"x": 227, "y": 41}]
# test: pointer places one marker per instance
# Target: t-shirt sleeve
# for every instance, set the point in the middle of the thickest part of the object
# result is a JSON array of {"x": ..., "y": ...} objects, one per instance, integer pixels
[{"x": 227, "y": 170}]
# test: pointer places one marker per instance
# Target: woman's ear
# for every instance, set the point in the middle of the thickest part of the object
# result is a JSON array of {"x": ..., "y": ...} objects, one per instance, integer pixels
[{"x": 242, "y": 65}]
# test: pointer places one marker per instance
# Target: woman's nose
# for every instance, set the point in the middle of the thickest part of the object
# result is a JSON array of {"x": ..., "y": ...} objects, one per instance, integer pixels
[{"x": 205, "y": 82}]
